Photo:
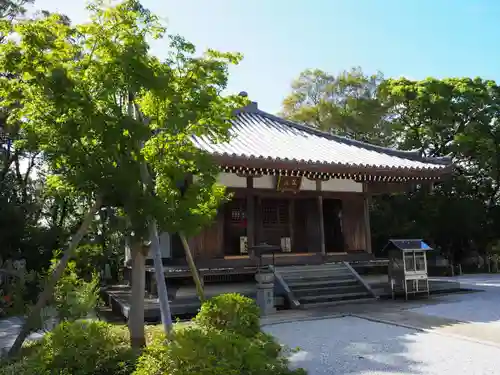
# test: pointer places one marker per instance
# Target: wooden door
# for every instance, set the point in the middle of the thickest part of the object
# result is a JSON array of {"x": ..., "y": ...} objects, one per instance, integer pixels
[
  {"x": 208, "y": 244},
  {"x": 235, "y": 225},
  {"x": 306, "y": 226},
  {"x": 334, "y": 239},
  {"x": 353, "y": 223}
]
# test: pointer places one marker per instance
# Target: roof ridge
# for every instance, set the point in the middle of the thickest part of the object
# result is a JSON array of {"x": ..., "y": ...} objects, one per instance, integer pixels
[{"x": 411, "y": 155}]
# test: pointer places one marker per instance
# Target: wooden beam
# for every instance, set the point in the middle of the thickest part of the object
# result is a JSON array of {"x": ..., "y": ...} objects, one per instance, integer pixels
[
  {"x": 250, "y": 213},
  {"x": 386, "y": 187},
  {"x": 303, "y": 194}
]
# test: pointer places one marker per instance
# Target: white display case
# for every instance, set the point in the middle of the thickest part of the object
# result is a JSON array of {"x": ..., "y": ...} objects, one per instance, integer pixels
[{"x": 408, "y": 267}]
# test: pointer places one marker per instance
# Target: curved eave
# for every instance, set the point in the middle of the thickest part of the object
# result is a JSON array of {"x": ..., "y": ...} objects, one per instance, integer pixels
[{"x": 243, "y": 161}]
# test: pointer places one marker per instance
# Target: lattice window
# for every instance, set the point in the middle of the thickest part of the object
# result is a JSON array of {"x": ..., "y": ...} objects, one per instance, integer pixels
[
  {"x": 283, "y": 213},
  {"x": 274, "y": 213},
  {"x": 237, "y": 212},
  {"x": 237, "y": 215},
  {"x": 269, "y": 215}
]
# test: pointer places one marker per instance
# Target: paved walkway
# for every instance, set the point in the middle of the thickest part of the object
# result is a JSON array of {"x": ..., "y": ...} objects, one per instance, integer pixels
[
  {"x": 473, "y": 316},
  {"x": 8, "y": 332},
  {"x": 447, "y": 334},
  {"x": 9, "y": 329},
  {"x": 480, "y": 307}
]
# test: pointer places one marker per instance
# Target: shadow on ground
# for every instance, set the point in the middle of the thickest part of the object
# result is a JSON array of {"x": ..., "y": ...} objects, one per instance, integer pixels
[{"x": 351, "y": 345}]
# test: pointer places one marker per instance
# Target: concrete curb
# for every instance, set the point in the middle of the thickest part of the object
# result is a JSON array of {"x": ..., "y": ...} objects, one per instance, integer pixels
[{"x": 305, "y": 319}]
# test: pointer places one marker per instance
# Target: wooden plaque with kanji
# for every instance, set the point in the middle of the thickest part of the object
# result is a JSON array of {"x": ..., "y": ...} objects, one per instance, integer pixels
[{"x": 289, "y": 183}]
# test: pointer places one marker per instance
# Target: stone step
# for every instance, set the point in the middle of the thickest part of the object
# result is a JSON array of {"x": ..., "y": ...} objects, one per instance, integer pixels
[
  {"x": 318, "y": 277},
  {"x": 301, "y": 283},
  {"x": 323, "y": 284},
  {"x": 343, "y": 271},
  {"x": 328, "y": 267},
  {"x": 333, "y": 297},
  {"x": 325, "y": 290}
]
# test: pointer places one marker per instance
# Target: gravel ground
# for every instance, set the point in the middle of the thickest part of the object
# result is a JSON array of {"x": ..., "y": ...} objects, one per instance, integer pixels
[
  {"x": 478, "y": 307},
  {"x": 357, "y": 346}
]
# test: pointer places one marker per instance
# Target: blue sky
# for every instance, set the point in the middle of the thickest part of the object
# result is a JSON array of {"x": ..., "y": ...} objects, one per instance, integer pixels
[{"x": 279, "y": 38}]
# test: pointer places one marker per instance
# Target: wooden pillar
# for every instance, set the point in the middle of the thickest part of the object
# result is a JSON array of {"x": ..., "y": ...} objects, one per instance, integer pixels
[
  {"x": 321, "y": 219},
  {"x": 250, "y": 213},
  {"x": 321, "y": 225},
  {"x": 291, "y": 219},
  {"x": 258, "y": 219},
  {"x": 366, "y": 214}
]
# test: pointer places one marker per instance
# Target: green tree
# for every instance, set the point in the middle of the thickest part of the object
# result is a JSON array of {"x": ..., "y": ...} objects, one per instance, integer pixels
[
  {"x": 454, "y": 117},
  {"x": 344, "y": 104},
  {"x": 12, "y": 9},
  {"x": 75, "y": 87}
]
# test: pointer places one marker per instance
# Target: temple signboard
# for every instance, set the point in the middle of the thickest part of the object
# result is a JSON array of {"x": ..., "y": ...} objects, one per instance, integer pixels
[{"x": 289, "y": 183}]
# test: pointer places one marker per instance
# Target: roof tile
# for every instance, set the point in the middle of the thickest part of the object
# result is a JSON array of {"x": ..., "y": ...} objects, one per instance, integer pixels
[{"x": 257, "y": 134}]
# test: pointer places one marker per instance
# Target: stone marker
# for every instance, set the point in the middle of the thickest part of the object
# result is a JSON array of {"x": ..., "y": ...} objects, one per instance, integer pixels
[{"x": 265, "y": 291}]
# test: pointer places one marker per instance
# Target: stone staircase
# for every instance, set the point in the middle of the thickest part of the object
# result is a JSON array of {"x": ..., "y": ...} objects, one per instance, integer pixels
[{"x": 322, "y": 285}]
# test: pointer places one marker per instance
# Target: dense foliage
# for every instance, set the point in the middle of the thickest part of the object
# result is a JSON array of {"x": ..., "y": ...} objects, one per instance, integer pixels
[
  {"x": 104, "y": 115},
  {"x": 75, "y": 298},
  {"x": 203, "y": 347},
  {"x": 230, "y": 312},
  {"x": 225, "y": 339},
  {"x": 77, "y": 348}
]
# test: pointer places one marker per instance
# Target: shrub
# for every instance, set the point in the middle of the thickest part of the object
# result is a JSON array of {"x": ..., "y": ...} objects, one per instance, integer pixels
[
  {"x": 206, "y": 351},
  {"x": 78, "y": 348},
  {"x": 232, "y": 312},
  {"x": 75, "y": 298}
]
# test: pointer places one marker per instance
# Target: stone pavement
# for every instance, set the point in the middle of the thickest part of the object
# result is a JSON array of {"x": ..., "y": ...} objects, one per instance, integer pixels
[
  {"x": 478, "y": 332},
  {"x": 9, "y": 328},
  {"x": 8, "y": 331}
]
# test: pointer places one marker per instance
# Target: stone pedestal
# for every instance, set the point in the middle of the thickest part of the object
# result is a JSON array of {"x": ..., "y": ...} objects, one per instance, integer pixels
[{"x": 265, "y": 292}]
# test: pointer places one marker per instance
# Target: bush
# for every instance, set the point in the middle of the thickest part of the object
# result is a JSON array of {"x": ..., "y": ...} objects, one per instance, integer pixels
[
  {"x": 78, "y": 348},
  {"x": 232, "y": 312},
  {"x": 206, "y": 351},
  {"x": 75, "y": 298}
]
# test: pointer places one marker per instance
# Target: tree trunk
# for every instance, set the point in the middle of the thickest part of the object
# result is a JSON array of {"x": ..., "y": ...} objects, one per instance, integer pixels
[
  {"x": 136, "y": 313},
  {"x": 166, "y": 315},
  {"x": 147, "y": 182},
  {"x": 192, "y": 267},
  {"x": 56, "y": 275}
]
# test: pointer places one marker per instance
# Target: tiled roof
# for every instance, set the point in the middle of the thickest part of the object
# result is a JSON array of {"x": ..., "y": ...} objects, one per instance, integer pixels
[{"x": 259, "y": 135}]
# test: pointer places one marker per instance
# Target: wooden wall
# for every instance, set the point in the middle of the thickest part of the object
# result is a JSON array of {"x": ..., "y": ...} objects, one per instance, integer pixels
[
  {"x": 354, "y": 223},
  {"x": 209, "y": 242}
]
